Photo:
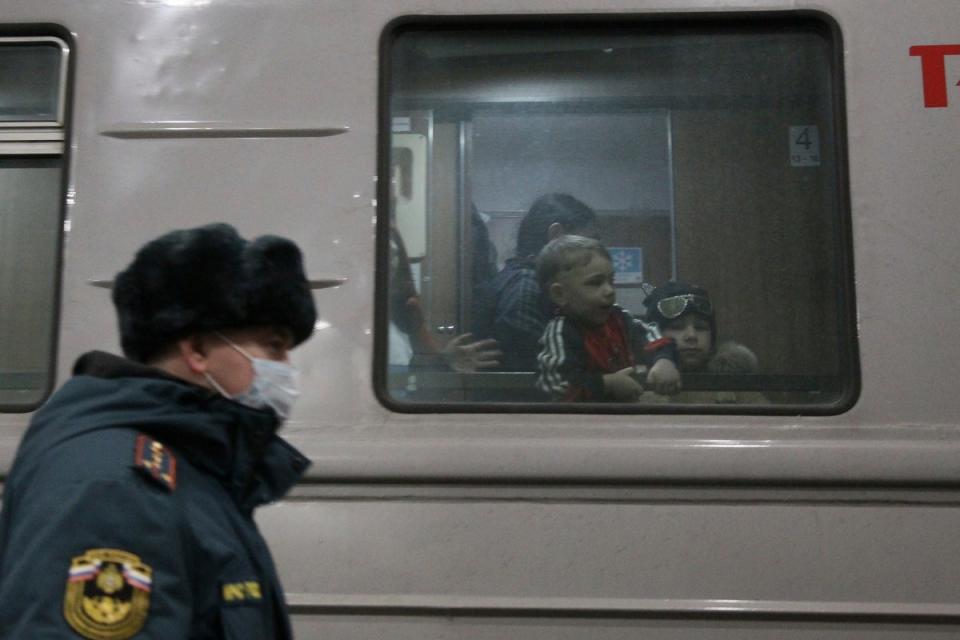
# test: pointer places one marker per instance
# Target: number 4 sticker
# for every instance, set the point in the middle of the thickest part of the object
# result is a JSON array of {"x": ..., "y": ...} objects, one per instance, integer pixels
[{"x": 805, "y": 146}]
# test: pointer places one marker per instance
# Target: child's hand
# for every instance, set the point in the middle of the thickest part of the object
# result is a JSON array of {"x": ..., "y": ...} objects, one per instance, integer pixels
[
  {"x": 664, "y": 378},
  {"x": 621, "y": 385}
]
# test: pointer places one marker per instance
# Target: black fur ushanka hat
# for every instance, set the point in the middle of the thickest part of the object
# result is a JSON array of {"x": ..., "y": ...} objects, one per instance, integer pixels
[{"x": 210, "y": 278}]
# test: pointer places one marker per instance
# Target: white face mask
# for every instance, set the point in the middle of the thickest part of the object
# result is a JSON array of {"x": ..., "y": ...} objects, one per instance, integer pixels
[{"x": 275, "y": 384}]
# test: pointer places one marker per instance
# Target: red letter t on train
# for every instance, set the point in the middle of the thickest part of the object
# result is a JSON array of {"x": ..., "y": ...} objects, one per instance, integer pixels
[{"x": 934, "y": 71}]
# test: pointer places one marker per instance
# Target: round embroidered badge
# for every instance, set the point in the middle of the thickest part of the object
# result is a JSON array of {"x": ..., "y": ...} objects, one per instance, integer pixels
[{"x": 107, "y": 594}]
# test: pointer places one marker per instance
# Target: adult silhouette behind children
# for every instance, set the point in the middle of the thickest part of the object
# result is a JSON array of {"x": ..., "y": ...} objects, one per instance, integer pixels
[{"x": 516, "y": 311}]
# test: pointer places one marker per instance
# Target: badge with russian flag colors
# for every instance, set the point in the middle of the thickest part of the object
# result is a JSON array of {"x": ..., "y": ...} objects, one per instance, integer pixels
[{"x": 108, "y": 594}]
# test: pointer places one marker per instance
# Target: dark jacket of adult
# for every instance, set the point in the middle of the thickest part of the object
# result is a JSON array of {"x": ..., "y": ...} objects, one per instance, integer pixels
[
  {"x": 516, "y": 313},
  {"x": 128, "y": 471}
]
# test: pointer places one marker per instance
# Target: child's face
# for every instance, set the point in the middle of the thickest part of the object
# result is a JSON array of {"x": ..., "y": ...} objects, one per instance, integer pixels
[
  {"x": 694, "y": 340},
  {"x": 585, "y": 292}
]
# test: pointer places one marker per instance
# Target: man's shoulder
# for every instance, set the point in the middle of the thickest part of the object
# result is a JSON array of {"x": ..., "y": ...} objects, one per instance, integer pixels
[
  {"x": 78, "y": 443},
  {"x": 119, "y": 454},
  {"x": 515, "y": 274},
  {"x": 519, "y": 301},
  {"x": 520, "y": 277}
]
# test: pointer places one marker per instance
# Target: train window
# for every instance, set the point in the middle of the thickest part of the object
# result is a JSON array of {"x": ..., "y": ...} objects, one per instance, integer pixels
[
  {"x": 32, "y": 92},
  {"x": 700, "y": 160}
]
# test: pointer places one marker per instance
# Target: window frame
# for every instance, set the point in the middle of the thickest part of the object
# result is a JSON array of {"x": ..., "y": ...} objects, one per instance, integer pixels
[
  {"x": 45, "y": 138},
  {"x": 848, "y": 374},
  {"x": 61, "y": 106}
]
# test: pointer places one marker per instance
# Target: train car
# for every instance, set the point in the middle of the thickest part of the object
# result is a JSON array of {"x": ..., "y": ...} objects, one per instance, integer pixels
[{"x": 796, "y": 159}]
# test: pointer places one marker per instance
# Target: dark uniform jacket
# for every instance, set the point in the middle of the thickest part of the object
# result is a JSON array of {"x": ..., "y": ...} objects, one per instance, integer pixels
[
  {"x": 128, "y": 512},
  {"x": 512, "y": 309}
]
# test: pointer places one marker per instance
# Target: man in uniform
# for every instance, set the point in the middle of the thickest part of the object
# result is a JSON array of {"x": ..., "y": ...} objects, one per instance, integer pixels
[{"x": 129, "y": 508}]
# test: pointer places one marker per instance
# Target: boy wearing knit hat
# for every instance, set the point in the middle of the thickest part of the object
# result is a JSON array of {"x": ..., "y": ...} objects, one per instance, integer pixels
[
  {"x": 685, "y": 313},
  {"x": 128, "y": 509}
]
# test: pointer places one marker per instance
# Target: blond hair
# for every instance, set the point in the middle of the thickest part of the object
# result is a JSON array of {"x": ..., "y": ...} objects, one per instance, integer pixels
[{"x": 566, "y": 253}]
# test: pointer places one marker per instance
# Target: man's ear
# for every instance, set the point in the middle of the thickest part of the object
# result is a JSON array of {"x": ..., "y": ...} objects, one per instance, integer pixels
[
  {"x": 558, "y": 294},
  {"x": 194, "y": 351},
  {"x": 554, "y": 231}
]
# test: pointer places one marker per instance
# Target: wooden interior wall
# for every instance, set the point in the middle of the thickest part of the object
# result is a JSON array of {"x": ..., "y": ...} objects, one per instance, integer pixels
[
  {"x": 651, "y": 233},
  {"x": 759, "y": 234}
]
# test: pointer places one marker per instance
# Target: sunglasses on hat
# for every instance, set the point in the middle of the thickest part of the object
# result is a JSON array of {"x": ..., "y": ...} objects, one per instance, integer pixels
[{"x": 674, "y": 306}]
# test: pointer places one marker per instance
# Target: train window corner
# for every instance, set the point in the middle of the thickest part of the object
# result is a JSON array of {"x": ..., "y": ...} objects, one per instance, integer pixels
[{"x": 630, "y": 214}]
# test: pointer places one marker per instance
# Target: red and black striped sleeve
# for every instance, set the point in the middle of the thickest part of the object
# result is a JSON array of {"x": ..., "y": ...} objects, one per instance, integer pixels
[{"x": 562, "y": 364}]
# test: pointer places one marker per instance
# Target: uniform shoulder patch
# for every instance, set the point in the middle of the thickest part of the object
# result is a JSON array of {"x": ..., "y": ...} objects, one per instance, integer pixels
[
  {"x": 108, "y": 594},
  {"x": 156, "y": 461}
]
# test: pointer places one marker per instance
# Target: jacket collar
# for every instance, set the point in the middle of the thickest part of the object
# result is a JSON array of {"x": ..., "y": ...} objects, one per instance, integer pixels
[{"x": 236, "y": 443}]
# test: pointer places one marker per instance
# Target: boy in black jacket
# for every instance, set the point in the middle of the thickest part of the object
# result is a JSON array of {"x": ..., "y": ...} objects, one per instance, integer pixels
[{"x": 588, "y": 349}]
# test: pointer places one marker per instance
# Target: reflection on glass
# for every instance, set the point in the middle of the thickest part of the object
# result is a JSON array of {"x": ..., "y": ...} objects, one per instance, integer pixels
[
  {"x": 29, "y": 241},
  {"x": 30, "y": 86},
  {"x": 31, "y": 220},
  {"x": 704, "y": 152}
]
